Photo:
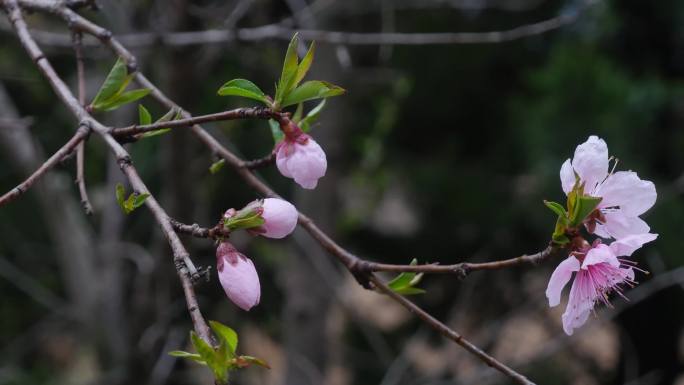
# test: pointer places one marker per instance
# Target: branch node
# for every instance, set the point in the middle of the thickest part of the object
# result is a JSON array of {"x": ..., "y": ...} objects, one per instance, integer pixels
[
  {"x": 462, "y": 270},
  {"x": 124, "y": 162},
  {"x": 203, "y": 274},
  {"x": 362, "y": 271}
]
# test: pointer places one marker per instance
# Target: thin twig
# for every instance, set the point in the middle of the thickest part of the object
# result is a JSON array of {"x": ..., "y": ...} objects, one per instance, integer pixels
[
  {"x": 464, "y": 268},
  {"x": 80, "y": 150},
  {"x": 11, "y": 195},
  {"x": 261, "y": 162},
  {"x": 216, "y": 232},
  {"x": 238, "y": 113},
  {"x": 280, "y": 32}
]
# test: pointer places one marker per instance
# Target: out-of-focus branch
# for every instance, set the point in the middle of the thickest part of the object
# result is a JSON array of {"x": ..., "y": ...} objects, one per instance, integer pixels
[
  {"x": 450, "y": 333},
  {"x": 13, "y": 194},
  {"x": 80, "y": 150},
  {"x": 184, "y": 266},
  {"x": 281, "y": 32}
]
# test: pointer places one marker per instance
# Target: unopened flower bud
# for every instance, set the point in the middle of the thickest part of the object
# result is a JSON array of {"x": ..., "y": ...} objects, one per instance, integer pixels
[
  {"x": 280, "y": 218},
  {"x": 238, "y": 276},
  {"x": 302, "y": 160},
  {"x": 299, "y": 157}
]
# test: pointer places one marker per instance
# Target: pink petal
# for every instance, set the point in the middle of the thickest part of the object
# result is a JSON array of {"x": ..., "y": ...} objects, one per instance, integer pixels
[
  {"x": 624, "y": 189},
  {"x": 580, "y": 303},
  {"x": 560, "y": 278},
  {"x": 567, "y": 176},
  {"x": 591, "y": 162},
  {"x": 280, "y": 218},
  {"x": 281, "y": 161},
  {"x": 601, "y": 231},
  {"x": 600, "y": 254},
  {"x": 627, "y": 245},
  {"x": 307, "y": 164},
  {"x": 619, "y": 225}
]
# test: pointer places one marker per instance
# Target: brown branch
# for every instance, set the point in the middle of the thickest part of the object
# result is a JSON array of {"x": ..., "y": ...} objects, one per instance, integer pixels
[
  {"x": 80, "y": 150},
  {"x": 238, "y": 113},
  {"x": 216, "y": 232},
  {"x": 464, "y": 268},
  {"x": 184, "y": 267},
  {"x": 261, "y": 162},
  {"x": 11, "y": 195}
]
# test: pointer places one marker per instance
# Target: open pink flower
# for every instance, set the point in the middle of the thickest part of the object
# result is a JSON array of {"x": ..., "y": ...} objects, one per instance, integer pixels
[
  {"x": 280, "y": 218},
  {"x": 624, "y": 195},
  {"x": 238, "y": 276},
  {"x": 301, "y": 159},
  {"x": 598, "y": 272}
]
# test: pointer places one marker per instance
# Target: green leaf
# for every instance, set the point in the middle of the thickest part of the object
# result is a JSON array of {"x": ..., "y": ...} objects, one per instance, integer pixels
[
  {"x": 290, "y": 69},
  {"x": 298, "y": 113},
  {"x": 191, "y": 356},
  {"x": 128, "y": 205},
  {"x": 404, "y": 283},
  {"x": 209, "y": 356},
  {"x": 403, "y": 279},
  {"x": 409, "y": 291},
  {"x": 277, "y": 133},
  {"x": 144, "y": 116},
  {"x": 172, "y": 114},
  {"x": 217, "y": 166},
  {"x": 225, "y": 334},
  {"x": 584, "y": 206},
  {"x": 158, "y": 132},
  {"x": 246, "y": 222},
  {"x": 311, "y": 117},
  {"x": 123, "y": 99},
  {"x": 116, "y": 80},
  {"x": 244, "y": 88},
  {"x": 140, "y": 200},
  {"x": 120, "y": 195},
  {"x": 556, "y": 208},
  {"x": 305, "y": 64},
  {"x": 313, "y": 89},
  {"x": 559, "y": 236},
  {"x": 245, "y": 361}
]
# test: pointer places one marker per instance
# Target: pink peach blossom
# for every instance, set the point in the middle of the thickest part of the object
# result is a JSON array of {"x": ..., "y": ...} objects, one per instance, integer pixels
[
  {"x": 624, "y": 195},
  {"x": 238, "y": 276},
  {"x": 598, "y": 272},
  {"x": 301, "y": 159},
  {"x": 280, "y": 218}
]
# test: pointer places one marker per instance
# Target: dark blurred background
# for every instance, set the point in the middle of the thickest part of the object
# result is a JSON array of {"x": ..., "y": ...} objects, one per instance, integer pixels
[{"x": 439, "y": 152}]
